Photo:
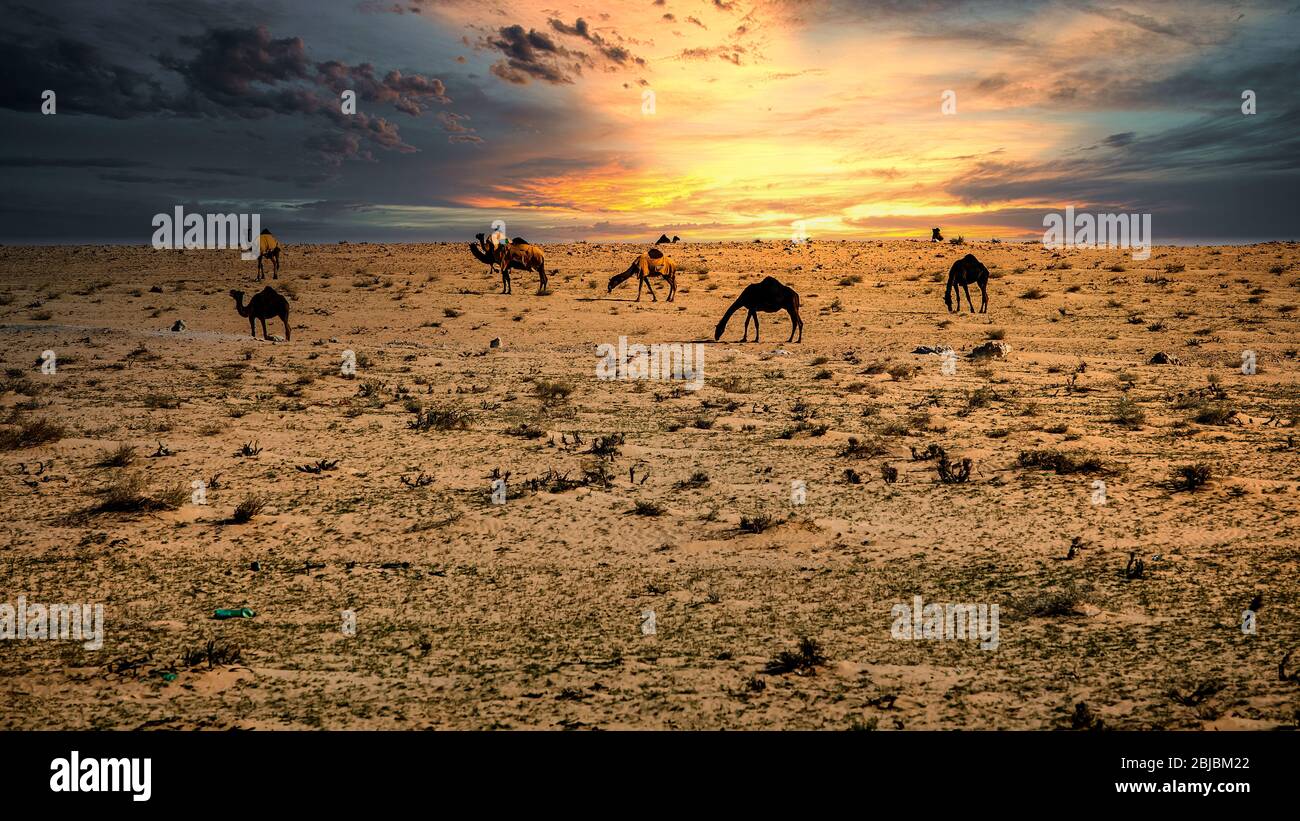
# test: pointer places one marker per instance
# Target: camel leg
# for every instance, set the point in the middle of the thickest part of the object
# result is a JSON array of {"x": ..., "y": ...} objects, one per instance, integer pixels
[
  {"x": 984, "y": 298},
  {"x": 260, "y": 273},
  {"x": 639, "y": 282},
  {"x": 965, "y": 286},
  {"x": 794, "y": 322},
  {"x": 285, "y": 317},
  {"x": 275, "y": 266},
  {"x": 755, "y": 315},
  {"x": 264, "y": 334},
  {"x": 541, "y": 275},
  {"x": 672, "y": 288},
  {"x": 649, "y": 287},
  {"x": 505, "y": 277},
  {"x": 252, "y": 326}
]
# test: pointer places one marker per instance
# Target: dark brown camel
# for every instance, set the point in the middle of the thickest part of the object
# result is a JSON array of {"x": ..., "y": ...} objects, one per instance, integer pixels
[
  {"x": 935, "y": 236},
  {"x": 767, "y": 297},
  {"x": 963, "y": 272},
  {"x": 263, "y": 306},
  {"x": 486, "y": 253}
]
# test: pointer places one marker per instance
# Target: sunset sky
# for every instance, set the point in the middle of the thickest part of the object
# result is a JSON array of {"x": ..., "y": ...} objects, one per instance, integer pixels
[{"x": 765, "y": 113}]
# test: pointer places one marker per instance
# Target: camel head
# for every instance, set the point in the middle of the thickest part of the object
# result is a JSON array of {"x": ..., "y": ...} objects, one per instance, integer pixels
[
  {"x": 947, "y": 299},
  {"x": 717, "y": 332},
  {"x": 238, "y": 295}
]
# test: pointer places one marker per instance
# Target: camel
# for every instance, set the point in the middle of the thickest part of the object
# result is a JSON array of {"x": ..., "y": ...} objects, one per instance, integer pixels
[
  {"x": 935, "y": 236},
  {"x": 651, "y": 263},
  {"x": 964, "y": 271},
  {"x": 268, "y": 248},
  {"x": 663, "y": 239},
  {"x": 767, "y": 297},
  {"x": 526, "y": 257},
  {"x": 518, "y": 253},
  {"x": 486, "y": 252},
  {"x": 263, "y": 306}
]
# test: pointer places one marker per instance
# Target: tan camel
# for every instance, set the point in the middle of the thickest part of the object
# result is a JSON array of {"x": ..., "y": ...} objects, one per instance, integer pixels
[
  {"x": 651, "y": 263},
  {"x": 268, "y": 248},
  {"x": 263, "y": 306},
  {"x": 518, "y": 253}
]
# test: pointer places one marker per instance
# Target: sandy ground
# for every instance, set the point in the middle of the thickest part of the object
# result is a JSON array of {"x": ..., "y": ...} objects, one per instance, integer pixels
[{"x": 528, "y": 614}]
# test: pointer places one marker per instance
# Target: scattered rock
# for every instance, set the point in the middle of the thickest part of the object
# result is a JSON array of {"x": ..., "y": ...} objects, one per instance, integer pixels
[
  {"x": 277, "y": 338},
  {"x": 255, "y": 567},
  {"x": 990, "y": 350},
  {"x": 935, "y": 349},
  {"x": 1163, "y": 358},
  {"x": 178, "y": 326},
  {"x": 495, "y": 343}
]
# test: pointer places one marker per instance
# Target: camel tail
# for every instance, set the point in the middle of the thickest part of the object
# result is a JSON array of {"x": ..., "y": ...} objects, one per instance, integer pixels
[{"x": 722, "y": 323}]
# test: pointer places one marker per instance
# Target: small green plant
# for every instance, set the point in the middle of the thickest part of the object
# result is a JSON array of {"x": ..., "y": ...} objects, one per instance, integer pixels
[
  {"x": 1128, "y": 414},
  {"x": 121, "y": 456},
  {"x": 32, "y": 433}
]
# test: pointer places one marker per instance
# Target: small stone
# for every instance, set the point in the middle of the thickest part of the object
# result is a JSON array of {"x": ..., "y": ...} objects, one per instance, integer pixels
[
  {"x": 1163, "y": 358},
  {"x": 255, "y": 567},
  {"x": 495, "y": 343},
  {"x": 178, "y": 326}
]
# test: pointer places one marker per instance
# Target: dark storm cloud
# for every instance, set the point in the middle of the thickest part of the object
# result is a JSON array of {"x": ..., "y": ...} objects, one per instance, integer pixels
[
  {"x": 410, "y": 94},
  {"x": 84, "y": 82},
  {"x": 580, "y": 28},
  {"x": 230, "y": 64},
  {"x": 244, "y": 73},
  {"x": 249, "y": 73},
  {"x": 1137, "y": 172},
  {"x": 532, "y": 55}
]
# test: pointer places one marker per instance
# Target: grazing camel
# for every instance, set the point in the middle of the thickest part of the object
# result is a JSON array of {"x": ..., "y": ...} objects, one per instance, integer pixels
[
  {"x": 651, "y": 263},
  {"x": 768, "y": 297},
  {"x": 486, "y": 252},
  {"x": 963, "y": 272},
  {"x": 263, "y": 306},
  {"x": 268, "y": 248}
]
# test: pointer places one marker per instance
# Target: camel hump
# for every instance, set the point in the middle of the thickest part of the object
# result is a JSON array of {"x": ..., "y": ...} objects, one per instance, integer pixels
[
  {"x": 663, "y": 239},
  {"x": 269, "y": 291},
  {"x": 518, "y": 241},
  {"x": 655, "y": 253},
  {"x": 770, "y": 281}
]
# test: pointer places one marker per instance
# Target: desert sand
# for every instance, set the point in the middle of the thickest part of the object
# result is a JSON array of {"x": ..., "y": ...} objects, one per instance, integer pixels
[{"x": 633, "y": 496}]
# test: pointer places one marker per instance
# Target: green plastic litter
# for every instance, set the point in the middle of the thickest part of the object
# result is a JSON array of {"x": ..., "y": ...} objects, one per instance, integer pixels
[{"x": 241, "y": 613}]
